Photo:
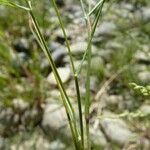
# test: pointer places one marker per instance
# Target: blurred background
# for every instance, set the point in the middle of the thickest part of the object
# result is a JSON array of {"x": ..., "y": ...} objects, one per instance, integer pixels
[{"x": 31, "y": 112}]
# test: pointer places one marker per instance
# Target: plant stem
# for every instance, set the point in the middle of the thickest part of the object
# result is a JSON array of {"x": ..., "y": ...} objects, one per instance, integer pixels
[
  {"x": 88, "y": 95},
  {"x": 91, "y": 32},
  {"x": 95, "y": 7},
  {"x": 83, "y": 9},
  {"x": 91, "y": 36},
  {"x": 67, "y": 104},
  {"x": 73, "y": 69},
  {"x": 80, "y": 111},
  {"x": 66, "y": 101}
]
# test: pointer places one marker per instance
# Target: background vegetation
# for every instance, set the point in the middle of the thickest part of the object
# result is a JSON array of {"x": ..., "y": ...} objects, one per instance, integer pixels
[{"x": 29, "y": 118}]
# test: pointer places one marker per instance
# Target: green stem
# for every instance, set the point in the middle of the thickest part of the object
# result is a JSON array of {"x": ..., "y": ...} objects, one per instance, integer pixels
[
  {"x": 83, "y": 9},
  {"x": 91, "y": 32},
  {"x": 88, "y": 95},
  {"x": 95, "y": 7},
  {"x": 80, "y": 111},
  {"x": 74, "y": 136},
  {"x": 73, "y": 69},
  {"x": 99, "y": 11},
  {"x": 68, "y": 106}
]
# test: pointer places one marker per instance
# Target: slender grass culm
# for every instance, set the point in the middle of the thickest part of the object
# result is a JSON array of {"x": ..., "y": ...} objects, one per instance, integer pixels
[{"x": 80, "y": 131}]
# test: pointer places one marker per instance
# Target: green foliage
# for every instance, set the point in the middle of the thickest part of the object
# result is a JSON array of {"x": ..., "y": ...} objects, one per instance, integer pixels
[
  {"x": 144, "y": 90},
  {"x": 12, "y": 4},
  {"x": 119, "y": 58},
  {"x": 66, "y": 100},
  {"x": 127, "y": 115}
]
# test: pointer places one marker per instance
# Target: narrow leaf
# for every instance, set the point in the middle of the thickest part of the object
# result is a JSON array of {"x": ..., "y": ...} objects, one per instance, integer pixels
[
  {"x": 95, "y": 7},
  {"x": 11, "y": 4}
]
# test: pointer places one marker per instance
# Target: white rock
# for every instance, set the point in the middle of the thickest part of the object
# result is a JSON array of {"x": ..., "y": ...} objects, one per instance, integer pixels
[
  {"x": 20, "y": 104},
  {"x": 105, "y": 54},
  {"x": 97, "y": 136},
  {"x": 106, "y": 28},
  {"x": 64, "y": 73},
  {"x": 80, "y": 47},
  {"x": 117, "y": 130},
  {"x": 127, "y": 6},
  {"x": 144, "y": 76},
  {"x": 36, "y": 140},
  {"x": 54, "y": 116},
  {"x": 55, "y": 121},
  {"x": 146, "y": 13},
  {"x": 114, "y": 99},
  {"x": 114, "y": 45},
  {"x": 145, "y": 109},
  {"x": 139, "y": 67},
  {"x": 59, "y": 33},
  {"x": 42, "y": 144},
  {"x": 19, "y": 88},
  {"x": 142, "y": 56},
  {"x": 57, "y": 145}
]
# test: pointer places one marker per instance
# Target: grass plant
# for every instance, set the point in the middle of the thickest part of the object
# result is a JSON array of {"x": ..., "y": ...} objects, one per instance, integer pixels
[
  {"x": 80, "y": 131},
  {"x": 122, "y": 62}
]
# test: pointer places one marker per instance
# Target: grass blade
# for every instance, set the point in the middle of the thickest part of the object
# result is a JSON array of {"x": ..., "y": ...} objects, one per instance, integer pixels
[
  {"x": 73, "y": 69},
  {"x": 9, "y": 3},
  {"x": 99, "y": 11},
  {"x": 67, "y": 104},
  {"x": 95, "y": 7},
  {"x": 91, "y": 31},
  {"x": 83, "y": 9}
]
